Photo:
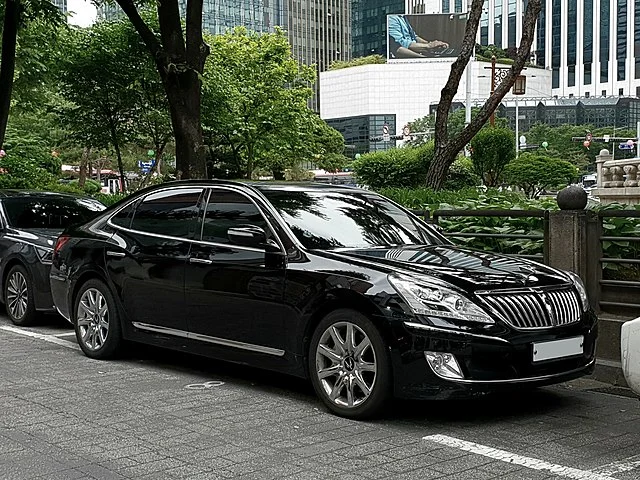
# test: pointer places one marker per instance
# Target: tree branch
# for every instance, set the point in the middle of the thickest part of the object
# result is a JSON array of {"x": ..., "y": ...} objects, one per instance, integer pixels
[{"x": 147, "y": 35}]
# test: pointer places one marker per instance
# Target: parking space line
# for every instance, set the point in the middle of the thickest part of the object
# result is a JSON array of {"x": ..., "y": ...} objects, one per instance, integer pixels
[
  {"x": 516, "y": 459},
  {"x": 40, "y": 336},
  {"x": 622, "y": 466},
  {"x": 66, "y": 334}
]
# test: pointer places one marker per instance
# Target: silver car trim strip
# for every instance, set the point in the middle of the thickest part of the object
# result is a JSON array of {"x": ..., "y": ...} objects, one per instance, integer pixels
[{"x": 206, "y": 338}]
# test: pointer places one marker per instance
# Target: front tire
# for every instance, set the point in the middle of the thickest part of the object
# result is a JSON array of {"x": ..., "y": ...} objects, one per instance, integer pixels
[
  {"x": 349, "y": 365},
  {"x": 18, "y": 296},
  {"x": 97, "y": 323}
]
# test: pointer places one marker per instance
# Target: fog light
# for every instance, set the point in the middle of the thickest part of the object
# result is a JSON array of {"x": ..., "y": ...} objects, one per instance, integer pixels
[{"x": 444, "y": 364}]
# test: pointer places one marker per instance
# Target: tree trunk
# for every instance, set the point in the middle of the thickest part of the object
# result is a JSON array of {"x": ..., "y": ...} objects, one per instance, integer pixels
[
  {"x": 446, "y": 149},
  {"x": 250, "y": 153},
  {"x": 180, "y": 63},
  {"x": 116, "y": 146},
  {"x": 84, "y": 161},
  {"x": 8, "y": 61}
]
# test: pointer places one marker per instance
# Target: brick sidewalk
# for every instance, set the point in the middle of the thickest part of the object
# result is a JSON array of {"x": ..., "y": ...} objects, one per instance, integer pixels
[{"x": 66, "y": 416}]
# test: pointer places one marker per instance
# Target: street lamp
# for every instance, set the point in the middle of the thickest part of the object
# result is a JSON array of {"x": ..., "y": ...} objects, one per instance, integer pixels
[{"x": 519, "y": 88}]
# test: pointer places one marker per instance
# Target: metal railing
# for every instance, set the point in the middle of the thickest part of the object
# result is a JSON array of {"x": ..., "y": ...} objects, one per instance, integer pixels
[
  {"x": 543, "y": 238},
  {"x": 621, "y": 289}
]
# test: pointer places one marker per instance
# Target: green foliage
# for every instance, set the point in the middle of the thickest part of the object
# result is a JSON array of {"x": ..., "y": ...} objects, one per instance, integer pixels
[
  {"x": 492, "y": 149},
  {"x": 461, "y": 175},
  {"x": 455, "y": 125},
  {"x": 23, "y": 172},
  {"x": 356, "y": 62},
  {"x": 535, "y": 173},
  {"x": 37, "y": 155},
  {"x": 255, "y": 100},
  {"x": 562, "y": 146},
  {"x": 394, "y": 168},
  {"x": 109, "y": 199}
]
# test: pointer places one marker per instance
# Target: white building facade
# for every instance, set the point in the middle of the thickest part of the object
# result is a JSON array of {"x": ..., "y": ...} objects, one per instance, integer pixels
[{"x": 359, "y": 101}]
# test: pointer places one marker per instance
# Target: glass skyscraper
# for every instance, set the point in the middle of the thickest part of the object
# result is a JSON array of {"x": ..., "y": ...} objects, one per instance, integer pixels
[{"x": 369, "y": 25}]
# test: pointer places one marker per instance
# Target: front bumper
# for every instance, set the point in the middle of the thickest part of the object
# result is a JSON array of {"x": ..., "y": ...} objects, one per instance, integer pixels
[{"x": 488, "y": 362}]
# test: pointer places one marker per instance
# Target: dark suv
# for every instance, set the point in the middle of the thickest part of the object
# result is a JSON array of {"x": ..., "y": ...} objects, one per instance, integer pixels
[
  {"x": 30, "y": 223},
  {"x": 332, "y": 283}
]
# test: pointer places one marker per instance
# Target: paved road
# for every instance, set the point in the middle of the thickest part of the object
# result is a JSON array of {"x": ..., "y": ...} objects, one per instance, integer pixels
[{"x": 159, "y": 415}]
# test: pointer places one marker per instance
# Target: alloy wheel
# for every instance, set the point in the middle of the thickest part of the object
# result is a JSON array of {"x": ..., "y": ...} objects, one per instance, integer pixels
[
  {"x": 17, "y": 295},
  {"x": 93, "y": 319},
  {"x": 346, "y": 364}
]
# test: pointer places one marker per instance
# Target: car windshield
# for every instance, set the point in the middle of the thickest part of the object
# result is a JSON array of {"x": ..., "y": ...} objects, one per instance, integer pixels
[
  {"x": 358, "y": 219},
  {"x": 49, "y": 212}
]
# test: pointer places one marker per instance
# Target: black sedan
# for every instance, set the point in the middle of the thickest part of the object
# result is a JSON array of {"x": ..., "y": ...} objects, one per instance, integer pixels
[
  {"x": 336, "y": 284},
  {"x": 30, "y": 223}
]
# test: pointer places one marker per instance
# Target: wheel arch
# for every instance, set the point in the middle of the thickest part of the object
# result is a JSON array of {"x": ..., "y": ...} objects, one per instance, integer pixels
[{"x": 340, "y": 299}]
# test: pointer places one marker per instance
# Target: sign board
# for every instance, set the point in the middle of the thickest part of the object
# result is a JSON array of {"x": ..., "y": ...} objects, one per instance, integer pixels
[
  {"x": 625, "y": 146},
  {"x": 430, "y": 36},
  {"x": 145, "y": 167}
]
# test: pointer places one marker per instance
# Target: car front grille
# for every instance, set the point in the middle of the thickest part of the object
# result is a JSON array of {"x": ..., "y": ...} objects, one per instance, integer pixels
[{"x": 536, "y": 308}]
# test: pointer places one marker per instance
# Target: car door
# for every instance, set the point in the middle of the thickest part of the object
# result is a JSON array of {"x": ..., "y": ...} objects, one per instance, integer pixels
[
  {"x": 234, "y": 294},
  {"x": 147, "y": 254}
]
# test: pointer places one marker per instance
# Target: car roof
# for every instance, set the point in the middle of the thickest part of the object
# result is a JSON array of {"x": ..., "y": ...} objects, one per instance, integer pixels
[
  {"x": 273, "y": 185},
  {"x": 13, "y": 193}
]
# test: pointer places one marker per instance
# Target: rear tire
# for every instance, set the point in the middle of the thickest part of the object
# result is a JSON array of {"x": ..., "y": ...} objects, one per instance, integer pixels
[
  {"x": 96, "y": 321},
  {"x": 18, "y": 297},
  {"x": 349, "y": 365}
]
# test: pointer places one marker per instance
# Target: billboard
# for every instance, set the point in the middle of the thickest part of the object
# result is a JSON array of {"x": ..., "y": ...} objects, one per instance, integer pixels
[{"x": 425, "y": 35}]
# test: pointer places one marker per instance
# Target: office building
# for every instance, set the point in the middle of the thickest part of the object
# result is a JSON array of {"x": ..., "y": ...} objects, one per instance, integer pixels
[
  {"x": 221, "y": 15},
  {"x": 369, "y": 25},
  {"x": 61, "y": 4},
  {"x": 590, "y": 46}
]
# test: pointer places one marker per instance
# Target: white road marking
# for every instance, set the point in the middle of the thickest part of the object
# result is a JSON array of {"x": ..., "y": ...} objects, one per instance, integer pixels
[
  {"x": 516, "y": 459},
  {"x": 40, "y": 336},
  {"x": 66, "y": 334},
  {"x": 202, "y": 386},
  {"x": 622, "y": 466}
]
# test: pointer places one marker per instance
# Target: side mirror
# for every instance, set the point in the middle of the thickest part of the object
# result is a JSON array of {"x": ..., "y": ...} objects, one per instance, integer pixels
[{"x": 247, "y": 236}]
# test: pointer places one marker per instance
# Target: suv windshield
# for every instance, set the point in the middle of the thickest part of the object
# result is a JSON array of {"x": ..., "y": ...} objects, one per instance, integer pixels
[
  {"x": 357, "y": 219},
  {"x": 49, "y": 212}
]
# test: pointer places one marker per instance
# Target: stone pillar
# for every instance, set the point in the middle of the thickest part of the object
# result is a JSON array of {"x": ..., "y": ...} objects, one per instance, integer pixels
[
  {"x": 600, "y": 159},
  {"x": 574, "y": 240}
]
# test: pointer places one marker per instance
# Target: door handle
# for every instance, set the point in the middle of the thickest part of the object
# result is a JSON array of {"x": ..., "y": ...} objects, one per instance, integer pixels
[
  {"x": 115, "y": 254},
  {"x": 200, "y": 260}
]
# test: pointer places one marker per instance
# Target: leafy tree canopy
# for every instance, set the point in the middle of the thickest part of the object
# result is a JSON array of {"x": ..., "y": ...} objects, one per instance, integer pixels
[
  {"x": 492, "y": 149},
  {"x": 534, "y": 173}
]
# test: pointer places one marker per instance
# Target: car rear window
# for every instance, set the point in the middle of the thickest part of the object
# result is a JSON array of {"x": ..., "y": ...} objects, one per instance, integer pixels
[{"x": 49, "y": 212}]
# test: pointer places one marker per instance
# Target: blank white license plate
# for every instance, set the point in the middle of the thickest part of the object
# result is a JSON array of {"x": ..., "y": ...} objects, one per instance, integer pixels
[{"x": 566, "y": 347}]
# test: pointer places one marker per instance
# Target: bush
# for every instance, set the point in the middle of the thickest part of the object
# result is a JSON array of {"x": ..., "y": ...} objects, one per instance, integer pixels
[
  {"x": 23, "y": 172},
  {"x": 37, "y": 155},
  {"x": 109, "y": 199},
  {"x": 398, "y": 167},
  {"x": 461, "y": 175}
]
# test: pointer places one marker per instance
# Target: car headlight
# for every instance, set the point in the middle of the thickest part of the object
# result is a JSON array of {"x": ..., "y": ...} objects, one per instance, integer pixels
[
  {"x": 433, "y": 300},
  {"x": 582, "y": 292}
]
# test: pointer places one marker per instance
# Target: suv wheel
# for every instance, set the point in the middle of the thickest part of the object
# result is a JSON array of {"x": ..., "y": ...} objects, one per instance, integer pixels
[{"x": 18, "y": 297}]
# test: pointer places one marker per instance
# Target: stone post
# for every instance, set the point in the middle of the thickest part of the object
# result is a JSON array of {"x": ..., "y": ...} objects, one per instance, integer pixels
[
  {"x": 600, "y": 174},
  {"x": 574, "y": 240}
]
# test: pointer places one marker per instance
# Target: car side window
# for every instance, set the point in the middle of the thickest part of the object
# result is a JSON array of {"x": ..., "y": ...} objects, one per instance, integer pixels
[
  {"x": 227, "y": 209},
  {"x": 169, "y": 212},
  {"x": 124, "y": 216}
]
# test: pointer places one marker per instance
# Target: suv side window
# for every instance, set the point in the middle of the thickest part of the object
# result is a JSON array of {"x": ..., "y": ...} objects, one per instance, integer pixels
[
  {"x": 226, "y": 209},
  {"x": 124, "y": 216},
  {"x": 169, "y": 212}
]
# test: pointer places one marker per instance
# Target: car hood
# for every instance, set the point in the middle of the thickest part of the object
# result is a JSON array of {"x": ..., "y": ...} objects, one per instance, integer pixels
[
  {"x": 45, "y": 237},
  {"x": 469, "y": 269}
]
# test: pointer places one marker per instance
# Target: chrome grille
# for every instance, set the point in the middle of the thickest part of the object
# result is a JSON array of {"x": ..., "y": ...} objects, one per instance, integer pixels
[{"x": 536, "y": 308}]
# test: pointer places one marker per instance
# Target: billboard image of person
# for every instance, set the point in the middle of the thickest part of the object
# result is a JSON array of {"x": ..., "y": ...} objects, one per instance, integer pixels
[{"x": 425, "y": 36}]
